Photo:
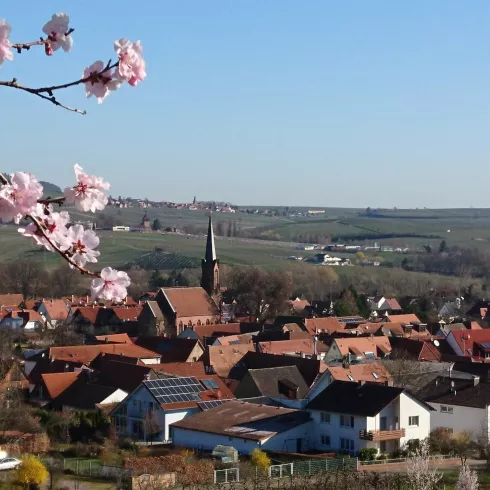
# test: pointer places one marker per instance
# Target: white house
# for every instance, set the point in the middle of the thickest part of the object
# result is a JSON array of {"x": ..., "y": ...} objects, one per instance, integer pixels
[
  {"x": 246, "y": 426},
  {"x": 147, "y": 413},
  {"x": 460, "y": 405},
  {"x": 349, "y": 416}
]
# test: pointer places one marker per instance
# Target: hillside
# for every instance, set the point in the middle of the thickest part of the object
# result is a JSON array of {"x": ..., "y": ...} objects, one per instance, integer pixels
[{"x": 50, "y": 189}]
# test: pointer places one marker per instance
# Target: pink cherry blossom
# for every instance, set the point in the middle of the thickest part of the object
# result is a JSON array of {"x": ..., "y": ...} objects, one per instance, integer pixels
[
  {"x": 53, "y": 225},
  {"x": 5, "y": 46},
  {"x": 57, "y": 31},
  {"x": 20, "y": 196},
  {"x": 112, "y": 285},
  {"x": 81, "y": 245},
  {"x": 132, "y": 66},
  {"x": 100, "y": 84},
  {"x": 88, "y": 194}
]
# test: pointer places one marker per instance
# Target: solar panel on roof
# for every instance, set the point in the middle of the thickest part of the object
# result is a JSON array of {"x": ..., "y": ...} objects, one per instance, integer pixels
[
  {"x": 212, "y": 404},
  {"x": 485, "y": 346},
  {"x": 210, "y": 384}
]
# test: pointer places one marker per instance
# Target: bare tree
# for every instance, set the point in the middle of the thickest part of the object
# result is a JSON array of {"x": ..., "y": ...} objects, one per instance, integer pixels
[{"x": 151, "y": 425}]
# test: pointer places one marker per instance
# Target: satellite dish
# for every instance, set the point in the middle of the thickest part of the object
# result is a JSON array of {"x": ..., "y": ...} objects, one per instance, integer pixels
[{"x": 436, "y": 343}]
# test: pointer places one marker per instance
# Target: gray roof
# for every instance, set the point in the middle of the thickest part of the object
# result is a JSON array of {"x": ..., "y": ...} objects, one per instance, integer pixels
[{"x": 268, "y": 380}]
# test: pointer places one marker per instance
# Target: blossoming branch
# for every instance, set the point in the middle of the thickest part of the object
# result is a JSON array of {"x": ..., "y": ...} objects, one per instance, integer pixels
[
  {"x": 21, "y": 193},
  {"x": 99, "y": 79}
]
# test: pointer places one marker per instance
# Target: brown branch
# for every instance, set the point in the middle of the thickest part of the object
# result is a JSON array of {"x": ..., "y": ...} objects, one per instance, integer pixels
[
  {"x": 40, "y": 228},
  {"x": 39, "y": 92},
  {"x": 20, "y": 46},
  {"x": 52, "y": 200}
]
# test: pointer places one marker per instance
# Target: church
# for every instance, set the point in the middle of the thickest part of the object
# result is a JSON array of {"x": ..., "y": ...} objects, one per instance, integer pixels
[{"x": 175, "y": 309}]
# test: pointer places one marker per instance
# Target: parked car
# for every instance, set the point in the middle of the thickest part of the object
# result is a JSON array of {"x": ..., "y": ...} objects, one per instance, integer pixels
[{"x": 9, "y": 463}]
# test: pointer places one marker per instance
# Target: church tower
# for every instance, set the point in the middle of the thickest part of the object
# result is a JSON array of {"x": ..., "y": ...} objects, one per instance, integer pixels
[{"x": 210, "y": 264}]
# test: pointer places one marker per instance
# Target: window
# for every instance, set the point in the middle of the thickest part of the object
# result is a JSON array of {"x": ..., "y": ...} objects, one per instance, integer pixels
[
  {"x": 375, "y": 376},
  {"x": 135, "y": 403},
  {"x": 141, "y": 406},
  {"x": 446, "y": 409},
  {"x": 351, "y": 378},
  {"x": 413, "y": 421},
  {"x": 150, "y": 406},
  {"x": 347, "y": 421},
  {"x": 325, "y": 440},
  {"x": 346, "y": 444},
  {"x": 325, "y": 417}
]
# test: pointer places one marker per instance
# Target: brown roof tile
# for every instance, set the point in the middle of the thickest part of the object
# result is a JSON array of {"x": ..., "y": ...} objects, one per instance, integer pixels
[
  {"x": 183, "y": 369},
  {"x": 306, "y": 346},
  {"x": 408, "y": 318},
  {"x": 88, "y": 312},
  {"x": 11, "y": 299},
  {"x": 327, "y": 325},
  {"x": 127, "y": 314},
  {"x": 189, "y": 302},
  {"x": 115, "y": 338},
  {"x": 360, "y": 372},
  {"x": 217, "y": 330},
  {"x": 363, "y": 344},
  {"x": 56, "y": 308},
  {"x": 87, "y": 353},
  {"x": 56, "y": 383},
  {"x": 224, "y": 357}
]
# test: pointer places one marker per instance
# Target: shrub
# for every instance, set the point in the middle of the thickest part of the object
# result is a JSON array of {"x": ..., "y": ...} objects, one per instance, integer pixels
[
  {"x": 260, "y": 459},
  {"x": 31, "y": 472},
  {"x": 367, "y": 453}
]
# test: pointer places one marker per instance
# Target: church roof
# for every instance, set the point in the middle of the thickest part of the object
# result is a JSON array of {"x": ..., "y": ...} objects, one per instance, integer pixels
[{"x": 210, "y": 256}]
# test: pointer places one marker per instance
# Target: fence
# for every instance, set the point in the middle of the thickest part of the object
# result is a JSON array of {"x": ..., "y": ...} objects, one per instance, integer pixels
[
  {"x": 88, "y": 467},
  {"x": 227, "y": 475},
  {"x": 402, "y": 460}
]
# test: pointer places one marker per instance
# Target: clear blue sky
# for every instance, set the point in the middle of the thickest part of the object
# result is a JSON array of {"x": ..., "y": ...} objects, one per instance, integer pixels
[{"x": 318, "y": 102}]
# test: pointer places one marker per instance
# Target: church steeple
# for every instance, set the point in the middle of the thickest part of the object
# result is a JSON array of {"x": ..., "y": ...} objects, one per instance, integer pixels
[{"x": 210, "y": 264}]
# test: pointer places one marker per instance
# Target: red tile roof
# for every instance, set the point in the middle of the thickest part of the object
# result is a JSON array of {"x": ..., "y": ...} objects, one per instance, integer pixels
[
  {"x": 224, "y": 357},
  {"x": 327, "y": 325},
  {"x": 56, "y": 308},
  {"x": 363, "y": 344},
  {"x": 188, "y": 302},
  {"x": 56, "y": 383},
  {"x": 216, "y": 330},
  {"x": 184, "y": 369},
  {"x": 393, "y": 303},
  {"x": 115, "y": 338},
  {"x": 88, "y": 312},
  {"x": 360, "y": 372},
  {"x": 30, "y": 316},
  {"x": 466, "y": 339},
  {"x": 87, "y": 353},
  {"x": 11, "y": 299},
  {"x": 127, "y": 314},
  {"x": 299, "y": 346},
  {"x": 408, "y": 318}
]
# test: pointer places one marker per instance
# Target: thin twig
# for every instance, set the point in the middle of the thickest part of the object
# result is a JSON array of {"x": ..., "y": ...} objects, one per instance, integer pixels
[
  {"x": 39, "y": 92},
  {"x": 55, "y": 247},
  {"x": 20, "y": 46},
  {"x": 52, "y": 200}
]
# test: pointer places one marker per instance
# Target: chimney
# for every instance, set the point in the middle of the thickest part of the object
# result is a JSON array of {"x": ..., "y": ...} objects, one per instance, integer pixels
[{"x": 315, "y": 340}]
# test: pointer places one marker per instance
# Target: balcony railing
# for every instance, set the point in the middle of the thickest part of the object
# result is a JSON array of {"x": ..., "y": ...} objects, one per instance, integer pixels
[{"x": 381, "y": 435}]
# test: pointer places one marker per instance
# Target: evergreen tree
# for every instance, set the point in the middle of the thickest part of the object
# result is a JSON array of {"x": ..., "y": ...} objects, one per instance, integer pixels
[
  {"x": 346, "y": 305},
  {"x": 156, "y": 225}
]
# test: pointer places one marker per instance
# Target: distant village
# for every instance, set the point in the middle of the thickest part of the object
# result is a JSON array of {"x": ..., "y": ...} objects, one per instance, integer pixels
[{"x": 189, "y": 367}]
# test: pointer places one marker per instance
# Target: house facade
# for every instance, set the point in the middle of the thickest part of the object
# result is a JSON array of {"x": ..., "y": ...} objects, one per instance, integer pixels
[{"x": 348, "y": 417}]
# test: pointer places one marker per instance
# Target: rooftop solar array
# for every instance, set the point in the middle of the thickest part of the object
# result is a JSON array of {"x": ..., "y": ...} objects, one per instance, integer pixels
[
  {"x": 175, "y": 390},
  {"x": 211, "y": 404},
  {"x": 210, "y": 384}
]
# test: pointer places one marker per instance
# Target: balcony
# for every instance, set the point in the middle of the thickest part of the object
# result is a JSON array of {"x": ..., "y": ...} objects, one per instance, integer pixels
[{"x": 381, "y": 435}]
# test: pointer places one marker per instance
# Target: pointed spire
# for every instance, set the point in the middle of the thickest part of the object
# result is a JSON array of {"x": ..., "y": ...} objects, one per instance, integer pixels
[{"x": 210, "y": 250}]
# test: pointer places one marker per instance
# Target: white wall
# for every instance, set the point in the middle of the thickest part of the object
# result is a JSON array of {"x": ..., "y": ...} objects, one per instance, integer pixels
[
  {"x": 408, "y": 408},
  {"x": 116, "y": 397},
  {"x": 474, "y": 420},
  {"x": 151, "y": 360},
  {"x": 319, "y": 385},
  {"x": 335, "y": 431},
  {"x": 175, "y": 416}
]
